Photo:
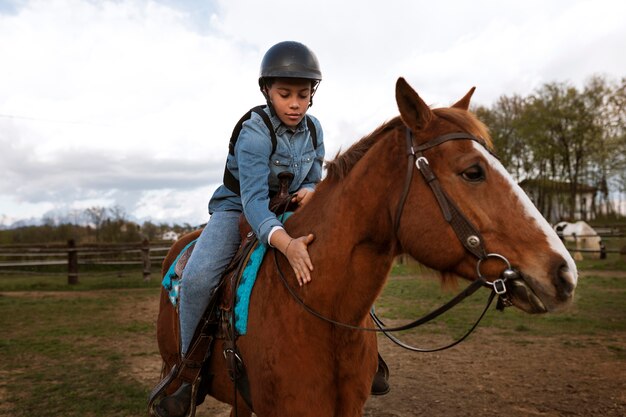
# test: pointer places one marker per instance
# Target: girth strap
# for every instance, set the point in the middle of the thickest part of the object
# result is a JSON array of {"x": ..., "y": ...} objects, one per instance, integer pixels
[{"x": 237, "y": 373}]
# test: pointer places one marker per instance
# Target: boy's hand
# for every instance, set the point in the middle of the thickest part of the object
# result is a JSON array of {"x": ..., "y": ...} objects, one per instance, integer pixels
[
  {"x": 298, "y": 256},
  {"x": 303, "y": 196}
]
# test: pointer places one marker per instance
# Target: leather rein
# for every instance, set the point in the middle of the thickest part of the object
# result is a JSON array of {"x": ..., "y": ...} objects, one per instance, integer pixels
[{"x": 465, "y": 231}]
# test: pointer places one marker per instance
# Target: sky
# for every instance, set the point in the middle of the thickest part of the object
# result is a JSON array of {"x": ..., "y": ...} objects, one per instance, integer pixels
[{"x": 130, "y": 103}]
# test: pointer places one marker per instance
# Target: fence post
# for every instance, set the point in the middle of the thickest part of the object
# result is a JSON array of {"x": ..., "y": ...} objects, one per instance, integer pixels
[
  {"x": 72, "y": 262},
  {"x": 578, "y": 256},
  {"x": 145, "y": 257}
]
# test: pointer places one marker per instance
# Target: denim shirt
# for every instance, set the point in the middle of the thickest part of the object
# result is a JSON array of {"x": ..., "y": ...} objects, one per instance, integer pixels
[{"x": 257, "y": 169}]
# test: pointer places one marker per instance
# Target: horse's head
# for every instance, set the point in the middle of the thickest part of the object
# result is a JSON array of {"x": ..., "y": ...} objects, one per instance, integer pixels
[{"x": 475, "y": 209}]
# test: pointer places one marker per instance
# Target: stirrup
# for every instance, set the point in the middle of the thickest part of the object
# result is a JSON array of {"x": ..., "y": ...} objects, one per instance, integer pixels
[
  {"x": 380, "y": 383},
  {"x": 157, "y": 410},
  {"x": 158, "y": 393}
]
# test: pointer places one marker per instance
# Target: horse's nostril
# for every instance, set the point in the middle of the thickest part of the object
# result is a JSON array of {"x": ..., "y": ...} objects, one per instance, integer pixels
[{"x": 565, "y": 283}]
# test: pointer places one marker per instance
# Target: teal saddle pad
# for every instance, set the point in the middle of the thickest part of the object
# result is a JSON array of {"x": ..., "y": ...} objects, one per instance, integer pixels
[{"x": 171, "y": 283}]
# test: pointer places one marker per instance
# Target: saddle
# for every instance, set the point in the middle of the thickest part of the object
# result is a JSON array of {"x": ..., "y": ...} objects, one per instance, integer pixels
[{"x": 218, "y": 321}]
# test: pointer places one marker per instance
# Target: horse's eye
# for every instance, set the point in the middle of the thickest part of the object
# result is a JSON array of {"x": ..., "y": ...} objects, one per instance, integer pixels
[{"x": 473, "y": 174}]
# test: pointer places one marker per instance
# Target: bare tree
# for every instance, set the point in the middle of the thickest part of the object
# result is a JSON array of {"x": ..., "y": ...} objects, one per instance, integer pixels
[{"x": 97, "y": 216}]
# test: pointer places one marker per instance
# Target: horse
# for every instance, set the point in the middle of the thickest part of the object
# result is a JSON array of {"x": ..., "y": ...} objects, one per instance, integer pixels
[
  {"x": 372, "y": 206},
  {"x": 586, "y": 238}
]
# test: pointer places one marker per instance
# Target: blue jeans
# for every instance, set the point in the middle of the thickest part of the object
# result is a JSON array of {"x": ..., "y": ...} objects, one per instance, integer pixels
[{"x": 214, "y": 250}]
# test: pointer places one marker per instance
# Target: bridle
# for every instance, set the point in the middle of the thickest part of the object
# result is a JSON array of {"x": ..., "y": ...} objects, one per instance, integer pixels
[
  {"x": 468, "y": 235},
  {"x": 466, "y": 232}
]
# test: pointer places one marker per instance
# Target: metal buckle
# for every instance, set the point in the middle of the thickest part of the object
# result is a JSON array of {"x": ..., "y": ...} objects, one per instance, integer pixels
[
  {"x": 417, "y": 162},
  {"x": 499, "y": 286},
  {"x": 229, "y": 351}
]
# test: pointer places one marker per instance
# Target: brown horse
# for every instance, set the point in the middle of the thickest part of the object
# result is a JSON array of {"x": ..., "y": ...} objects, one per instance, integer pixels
[{"x": 364, "y": 214}]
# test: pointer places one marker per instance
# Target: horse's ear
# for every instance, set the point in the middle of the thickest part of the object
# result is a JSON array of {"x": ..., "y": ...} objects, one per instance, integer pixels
[
  {"x": 414, "y": 112},
  {"x": 463, "y": 104}
]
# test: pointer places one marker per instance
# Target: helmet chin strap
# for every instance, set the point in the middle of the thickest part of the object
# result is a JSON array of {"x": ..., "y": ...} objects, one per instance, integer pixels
[
  {"x": 313, "y": 90},
  {"x": 267, "y": 99}
]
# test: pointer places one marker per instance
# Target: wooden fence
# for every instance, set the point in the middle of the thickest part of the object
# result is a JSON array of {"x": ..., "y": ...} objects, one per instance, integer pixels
[{"x": 16, "y": 257}]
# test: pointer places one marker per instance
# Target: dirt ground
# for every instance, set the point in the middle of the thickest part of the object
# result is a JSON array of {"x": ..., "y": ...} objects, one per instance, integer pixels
[{"x": 487, "y": 375}]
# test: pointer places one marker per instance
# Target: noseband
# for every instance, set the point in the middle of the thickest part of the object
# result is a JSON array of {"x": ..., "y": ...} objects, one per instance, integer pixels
[{"x": 468, "y": 235}]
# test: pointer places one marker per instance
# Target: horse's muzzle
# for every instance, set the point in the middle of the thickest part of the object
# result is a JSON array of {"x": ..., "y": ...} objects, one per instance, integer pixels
[
  {"x": 523, "y": 297},
  {"x": 565, "y": 283},
  {"x": 526, "y": 294}
]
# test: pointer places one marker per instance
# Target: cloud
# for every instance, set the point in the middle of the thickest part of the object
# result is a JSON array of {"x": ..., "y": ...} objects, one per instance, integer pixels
[
  {"x": 114, "y": 99},
  {"x": 132, "y": 102},
  {"x": 93, "y": 177}
]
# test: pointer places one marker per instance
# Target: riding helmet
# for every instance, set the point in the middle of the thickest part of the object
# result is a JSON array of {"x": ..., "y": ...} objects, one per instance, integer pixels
[{"x": 290, "y": 59}]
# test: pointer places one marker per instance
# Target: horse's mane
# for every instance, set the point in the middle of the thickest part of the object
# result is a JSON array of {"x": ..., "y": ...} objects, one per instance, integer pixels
[{"x": 341, "y": 165}]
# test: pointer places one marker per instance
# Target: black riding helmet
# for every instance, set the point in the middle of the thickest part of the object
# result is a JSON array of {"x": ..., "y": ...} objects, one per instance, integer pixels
[{"x": 290, "y": 59}]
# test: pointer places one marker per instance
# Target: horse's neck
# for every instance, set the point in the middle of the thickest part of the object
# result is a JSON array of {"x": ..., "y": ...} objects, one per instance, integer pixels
[{"x": 354, "y": 246}]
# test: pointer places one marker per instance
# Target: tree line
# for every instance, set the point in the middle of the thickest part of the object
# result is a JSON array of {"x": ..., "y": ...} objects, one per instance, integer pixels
[
  {"x": 96, "y": 224},
  {"x": 562, "y": 134}
]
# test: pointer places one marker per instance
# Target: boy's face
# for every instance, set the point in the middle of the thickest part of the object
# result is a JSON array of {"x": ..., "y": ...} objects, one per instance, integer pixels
[{"x": 290, "y": 97}]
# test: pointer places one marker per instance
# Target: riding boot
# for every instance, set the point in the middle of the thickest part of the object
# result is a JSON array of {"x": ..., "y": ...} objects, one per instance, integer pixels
[
  {"x": 380, "y": 384},
  {"x": 177, "y": 404}
]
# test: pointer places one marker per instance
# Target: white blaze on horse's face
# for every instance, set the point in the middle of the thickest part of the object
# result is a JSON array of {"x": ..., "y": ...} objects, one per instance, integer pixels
[{"x": 555, "y": 244}]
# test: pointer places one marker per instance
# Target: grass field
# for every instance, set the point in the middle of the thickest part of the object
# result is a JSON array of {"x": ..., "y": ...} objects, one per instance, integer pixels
[{"x": 65, "y": 350}]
